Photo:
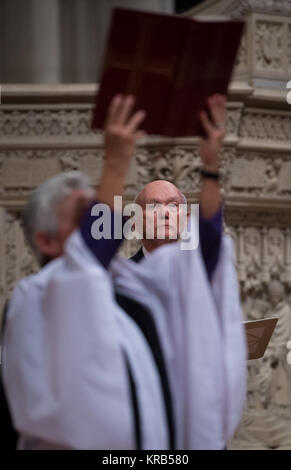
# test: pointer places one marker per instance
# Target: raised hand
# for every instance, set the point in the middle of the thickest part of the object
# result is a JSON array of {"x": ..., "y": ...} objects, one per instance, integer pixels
[
  {"x": 121, "y": 132},
  {"x": 210, "y": 145}
]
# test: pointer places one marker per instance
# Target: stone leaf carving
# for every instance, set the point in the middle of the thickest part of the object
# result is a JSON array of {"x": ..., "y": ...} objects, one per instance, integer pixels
[
  {"x": 144, "y": 161},
  {"x": 180, "y": 166}
]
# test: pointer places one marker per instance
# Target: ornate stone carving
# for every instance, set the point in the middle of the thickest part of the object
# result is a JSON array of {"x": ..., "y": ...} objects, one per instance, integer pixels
[
  {"x": 262, "y": 254},
  {"x": 18, "y": 258},
  {"x": 236, "y": 215},
  {"x": 240, "y": 8},
  {"x": 252, "y": 262},
  {"x": 256, "y": 173},
  {"x": 248, "y": 174},
  {"x": 267, "y": 126},
  {"x": 70, "y": 161},
  {"x": 271, "y": 6},
  {"x": 91, "y": 164},
  {"x": 144, "y": 161},
  {"x": 27, "y": 172},
  {"x": 45, "y": 122},
  {"x": 265, "y": 424},
  {"x": 256, "y": 176},
  {"x": 180, "y": 167},
  {"x": 241, "y": 59},
  {"x": 233, "y": 121},
  {"x": 237, "y": 9},
  {"x": 276, "y": 245},
  {"x": 269, "y": 45},
  {"x": 23, "y": 170},
  {"x": 263, "y": 59}
]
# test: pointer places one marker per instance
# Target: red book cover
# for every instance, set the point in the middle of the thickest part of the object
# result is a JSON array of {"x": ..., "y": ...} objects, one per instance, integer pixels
[{"x": 171, "y": 64}]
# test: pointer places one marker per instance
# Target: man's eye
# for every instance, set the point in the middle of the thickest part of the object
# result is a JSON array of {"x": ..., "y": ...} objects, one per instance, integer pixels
[{"x": 154, "y": 205}]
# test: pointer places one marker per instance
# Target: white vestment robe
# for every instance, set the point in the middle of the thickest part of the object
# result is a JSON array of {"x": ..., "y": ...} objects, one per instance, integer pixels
[{"x": 65, "y": 340}]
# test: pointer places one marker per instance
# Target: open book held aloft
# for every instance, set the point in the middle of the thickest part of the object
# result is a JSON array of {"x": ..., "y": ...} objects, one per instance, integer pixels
[{"x": 170, "y": 63}]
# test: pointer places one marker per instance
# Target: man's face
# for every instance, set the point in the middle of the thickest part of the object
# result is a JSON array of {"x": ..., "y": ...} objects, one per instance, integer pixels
[
  {"x": 162, "y": 214},
  {"x": 69, "y": 214}
]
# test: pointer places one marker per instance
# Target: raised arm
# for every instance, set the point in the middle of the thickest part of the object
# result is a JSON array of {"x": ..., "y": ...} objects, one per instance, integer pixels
[
  {"x": 210, "y": 226},
  {"x": 210, "y": 149},
  {"x": 120, "y": 137}
]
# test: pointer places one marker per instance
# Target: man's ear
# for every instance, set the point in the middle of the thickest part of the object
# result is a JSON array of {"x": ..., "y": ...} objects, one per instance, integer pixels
[{"x": 48, "y": 245}]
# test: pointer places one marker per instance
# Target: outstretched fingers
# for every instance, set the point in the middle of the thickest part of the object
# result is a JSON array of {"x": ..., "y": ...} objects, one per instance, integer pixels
[
  {"x": 206, "y": 123},
  {"x": 119, "y": 110},
  {"x": 217, "y": 110},
  {"x": 113, "y": 110},
  {"x": 135, "y": 120},
  {"x": 120, "y": 114},
  {"x": 124, "y": 110}
]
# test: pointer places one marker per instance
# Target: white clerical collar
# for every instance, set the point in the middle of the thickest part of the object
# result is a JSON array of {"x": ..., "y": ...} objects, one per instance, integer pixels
[{"x": 145, "y": 251}]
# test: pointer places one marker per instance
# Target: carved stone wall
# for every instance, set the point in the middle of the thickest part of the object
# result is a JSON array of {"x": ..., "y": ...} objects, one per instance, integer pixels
[
  {"x": 39, "y": 139},
  {"x": 46, "y": 129}
]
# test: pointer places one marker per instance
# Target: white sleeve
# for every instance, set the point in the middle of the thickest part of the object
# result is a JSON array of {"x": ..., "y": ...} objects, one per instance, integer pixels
[
  {"x": 201, "y": 332},
  {"x": 63, "y": 366}
]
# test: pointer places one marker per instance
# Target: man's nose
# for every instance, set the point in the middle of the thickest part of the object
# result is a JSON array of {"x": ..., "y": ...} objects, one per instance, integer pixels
[{"x": 164, "y": 212}]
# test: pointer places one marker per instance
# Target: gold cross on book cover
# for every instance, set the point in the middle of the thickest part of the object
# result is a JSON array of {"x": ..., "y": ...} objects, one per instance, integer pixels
[{"x": 170, "y": 63}]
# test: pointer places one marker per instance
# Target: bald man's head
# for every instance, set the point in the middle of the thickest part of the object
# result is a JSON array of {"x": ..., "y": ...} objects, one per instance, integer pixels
[
  {"x": 161, "y": 203},
  {"x": 160, "y": 190}
]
